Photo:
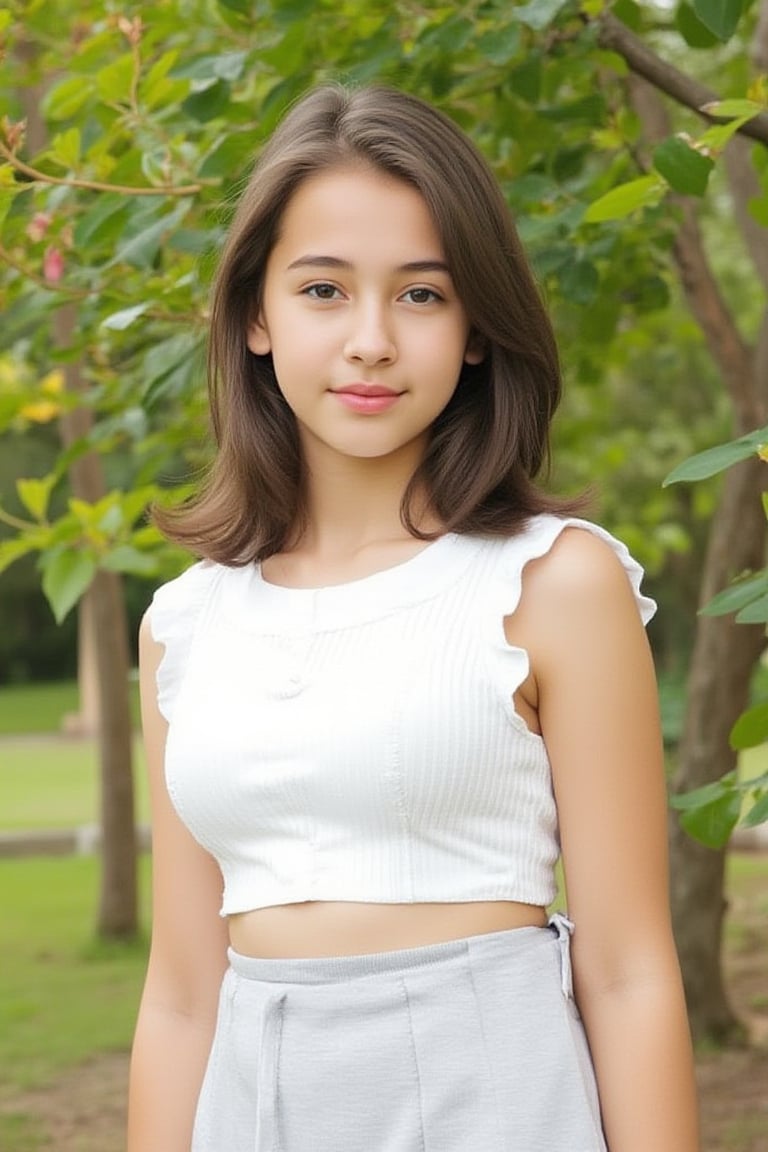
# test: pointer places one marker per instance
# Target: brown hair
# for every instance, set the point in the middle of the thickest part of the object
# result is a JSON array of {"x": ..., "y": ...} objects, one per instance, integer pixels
[{"x": 490, "y": 441}]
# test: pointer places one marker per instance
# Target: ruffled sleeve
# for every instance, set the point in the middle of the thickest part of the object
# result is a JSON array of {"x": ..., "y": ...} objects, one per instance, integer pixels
[
  {"x": 543, "y": 531},
  {"x": 174, "y": 613}
]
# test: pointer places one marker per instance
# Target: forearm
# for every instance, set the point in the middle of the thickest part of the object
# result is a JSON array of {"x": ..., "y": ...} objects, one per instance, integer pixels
[
  {"x": 168, "y": 1062},
  {"x": 639, "y": 1038}
]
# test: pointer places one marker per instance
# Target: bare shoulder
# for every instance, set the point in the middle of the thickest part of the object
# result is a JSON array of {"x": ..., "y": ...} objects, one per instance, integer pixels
[{"x": 579, "y": 578}]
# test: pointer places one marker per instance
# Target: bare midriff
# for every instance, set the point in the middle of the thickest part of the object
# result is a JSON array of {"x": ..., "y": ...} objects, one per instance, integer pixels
[{"x": 323, "y": 928}]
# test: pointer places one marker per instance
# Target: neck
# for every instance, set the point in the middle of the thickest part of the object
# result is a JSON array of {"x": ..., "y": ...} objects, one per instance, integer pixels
[{"x": 354, "y": 502}]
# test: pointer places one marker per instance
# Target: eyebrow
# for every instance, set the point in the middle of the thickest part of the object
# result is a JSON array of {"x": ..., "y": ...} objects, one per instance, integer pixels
[{"x": 347, "y": 266}]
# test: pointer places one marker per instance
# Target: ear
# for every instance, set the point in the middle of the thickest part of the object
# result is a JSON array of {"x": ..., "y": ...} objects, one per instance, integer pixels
[
  {"x": 474, "y": 353},
  {"x": 257, "y": 337}
]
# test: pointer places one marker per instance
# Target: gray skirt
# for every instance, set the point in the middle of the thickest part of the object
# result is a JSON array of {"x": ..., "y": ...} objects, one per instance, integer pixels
[{"x": 474, "y": 1045}]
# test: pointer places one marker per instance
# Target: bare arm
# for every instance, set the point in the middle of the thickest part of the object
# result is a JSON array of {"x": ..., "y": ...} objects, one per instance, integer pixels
[
  {"x": 599, "y": 717},
  {"x": 187, "y": 957}
]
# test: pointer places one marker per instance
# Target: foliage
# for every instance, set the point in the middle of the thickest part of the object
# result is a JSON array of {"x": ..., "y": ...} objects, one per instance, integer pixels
[
  {"x": 711, "y": 813},
  {"x": 151, "y": 120}
]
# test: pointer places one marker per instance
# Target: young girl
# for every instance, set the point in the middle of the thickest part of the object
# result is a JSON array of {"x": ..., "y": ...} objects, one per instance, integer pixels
[{"x": 400, "y": 680}]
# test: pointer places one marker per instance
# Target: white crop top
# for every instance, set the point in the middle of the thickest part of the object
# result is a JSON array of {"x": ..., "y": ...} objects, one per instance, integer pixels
[{"x": 359, "y": 741}]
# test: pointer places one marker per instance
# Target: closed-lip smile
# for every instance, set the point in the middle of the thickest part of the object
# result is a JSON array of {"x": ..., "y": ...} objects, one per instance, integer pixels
[{"x": 366, "y": 399}]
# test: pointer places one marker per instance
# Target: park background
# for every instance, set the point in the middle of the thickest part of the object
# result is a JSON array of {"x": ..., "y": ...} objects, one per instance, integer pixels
[{"x": 126, "y": 132}]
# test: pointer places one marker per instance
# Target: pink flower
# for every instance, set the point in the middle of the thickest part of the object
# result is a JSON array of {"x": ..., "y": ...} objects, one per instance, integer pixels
[{"x": 53, "y": 265}]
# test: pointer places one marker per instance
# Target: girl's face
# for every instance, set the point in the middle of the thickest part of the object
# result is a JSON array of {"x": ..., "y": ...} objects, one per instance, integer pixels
[{"x": 359, "y": 312}]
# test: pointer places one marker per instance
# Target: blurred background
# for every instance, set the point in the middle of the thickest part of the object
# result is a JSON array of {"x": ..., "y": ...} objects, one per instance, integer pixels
[{"x": 632, "y": 143}]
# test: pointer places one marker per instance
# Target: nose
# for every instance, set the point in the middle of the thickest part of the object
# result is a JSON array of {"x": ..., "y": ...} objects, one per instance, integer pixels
[{"x": 370, "y": 339}]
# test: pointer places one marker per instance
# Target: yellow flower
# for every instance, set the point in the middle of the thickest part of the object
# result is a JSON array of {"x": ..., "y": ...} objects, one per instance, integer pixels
[
  {"x": 53, "y": 383},
  {"x": 40, "y": 411}
]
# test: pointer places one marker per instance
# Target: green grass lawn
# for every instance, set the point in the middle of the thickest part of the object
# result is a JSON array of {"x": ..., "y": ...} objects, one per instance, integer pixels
[
  {"x": 63, "y": 997},
  {"x": 36, "y": 708},
  {"x": 48, "y": 780},
  {"x": 53, "y": 783}
]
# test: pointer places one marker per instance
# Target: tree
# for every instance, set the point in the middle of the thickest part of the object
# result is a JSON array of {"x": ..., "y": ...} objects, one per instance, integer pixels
[{"x": 153, "y": 121}]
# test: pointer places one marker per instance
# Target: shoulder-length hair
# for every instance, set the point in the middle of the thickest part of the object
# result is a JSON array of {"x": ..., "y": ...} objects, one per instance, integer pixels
[{"x": 492, "y": 439}]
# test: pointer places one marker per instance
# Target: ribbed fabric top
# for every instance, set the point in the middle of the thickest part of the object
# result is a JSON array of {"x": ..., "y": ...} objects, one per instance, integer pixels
[{"x": 359, "y": 741}]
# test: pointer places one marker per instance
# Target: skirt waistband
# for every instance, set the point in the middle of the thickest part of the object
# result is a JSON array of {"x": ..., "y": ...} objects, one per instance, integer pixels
[{"x": 336, "y": 969}]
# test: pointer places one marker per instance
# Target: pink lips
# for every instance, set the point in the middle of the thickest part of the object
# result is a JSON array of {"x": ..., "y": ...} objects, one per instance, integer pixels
[{"x": 366, "y": 398}]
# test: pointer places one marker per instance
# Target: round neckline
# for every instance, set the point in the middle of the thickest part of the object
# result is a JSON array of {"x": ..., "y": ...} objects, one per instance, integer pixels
[
  {"x": 254, "y": 603},
  {"x": 391, "y": 572}
]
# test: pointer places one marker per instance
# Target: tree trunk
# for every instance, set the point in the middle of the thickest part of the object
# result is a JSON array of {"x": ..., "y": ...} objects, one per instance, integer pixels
[
  {"x": 118, "y": 903},
  {"x": 723, "y": 658},
  {"x": 85, "y": 722},
  {"x": 118, "y": 900},
  {"x": 108, "y": 628}
]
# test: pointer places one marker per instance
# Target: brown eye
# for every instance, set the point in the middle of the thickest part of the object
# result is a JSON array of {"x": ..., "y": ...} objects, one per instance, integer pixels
[
  {"x": 421, "y": 295},
  {"x": 322, "y": 291}
]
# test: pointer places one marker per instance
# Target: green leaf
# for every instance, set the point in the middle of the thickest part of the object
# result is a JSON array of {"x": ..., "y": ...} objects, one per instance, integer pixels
[
  {"x": 751, "y": 728},
  {"x": 629, "y": 13},
  {"x": 737, "y": 595},
  {"x": 66, "y": 576},
  {"x": 733, "y": 108},
  {"x": 105, "y": 220},
  {"x": 66, "y": 99},
  {"x": 119, "y": 321},
  {"x": 758, "y": 210},
  {"x": 500, "y": 44},
  {"x": 449, "y": 35},
  {"x": 685, "y": 170},
  {"x": 127, "y": 559},
  {"x": 714, "y": 460},
  {"x": 716, "y": 137},
  {"x": 229, "y": 154},
  {"x": 225, "y": 66},
  {"x": 35, "y": 494},
  {"x": 538, "y": 14},
  {"x": 695, "y": 34},
  {"x": 525, "y": 79},
  {"x": 7, "y": 197},
  {"x": 625, "y": 200},
  {"x": 712, "y": 822},
  {"x": 156, "y": 88},
  {"x": 65, "y": 148},
  {"x": 706, "y": 794},
  {"x": 169, "y": 367},
  {"x": 111, "y": 520},
  {"x": 754, "y": 613},
  {"x": 141, "y": 249},
  {"x": 114, "y": 81},
  {"x": 758, "y": 813},
  {"x": 205, "y": 105},
  {"x": 720, "y": 16},
  {"x": 12, "y": 550}
]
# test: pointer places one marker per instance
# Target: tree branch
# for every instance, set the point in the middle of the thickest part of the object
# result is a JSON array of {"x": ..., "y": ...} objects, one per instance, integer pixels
[
  {"x": 62, "y": 290},
  {"x": 643, "y": 61},
  {"x": 94, "y": 185}
]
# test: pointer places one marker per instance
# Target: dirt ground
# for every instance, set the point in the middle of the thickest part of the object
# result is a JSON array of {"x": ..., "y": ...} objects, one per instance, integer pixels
[{"x": 84, "y": 1111}]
